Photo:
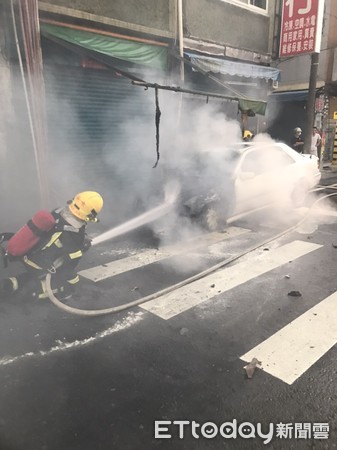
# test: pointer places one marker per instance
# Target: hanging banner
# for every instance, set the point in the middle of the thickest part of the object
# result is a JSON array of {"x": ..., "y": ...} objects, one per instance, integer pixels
[
  {"x": 301, "y": 27},
  {"x": 319, "y": 104}
]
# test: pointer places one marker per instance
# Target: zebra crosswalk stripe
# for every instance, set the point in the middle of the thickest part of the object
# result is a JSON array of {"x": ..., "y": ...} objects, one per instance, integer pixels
[
  {"x": 221, "y": 281},
  {"x": 296, "y": 347},
  {"x": 150, "y": 256}
]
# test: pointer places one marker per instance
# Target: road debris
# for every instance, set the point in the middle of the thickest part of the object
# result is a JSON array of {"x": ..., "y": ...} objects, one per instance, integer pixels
[
  {"x": 250, "y": 368},
  {"x": 295, "y": 294}
]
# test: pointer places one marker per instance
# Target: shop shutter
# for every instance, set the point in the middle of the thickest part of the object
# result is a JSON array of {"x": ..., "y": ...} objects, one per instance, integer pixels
[{"x": 89, "y": 112}]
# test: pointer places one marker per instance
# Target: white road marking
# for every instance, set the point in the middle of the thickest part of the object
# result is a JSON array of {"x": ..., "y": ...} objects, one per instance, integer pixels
[
  {"x": 296, "y": 347},
  {"x": 199, "y": 291},
  {"x": 325, "y": 212},
  {"x": 150, "y": 256},
  {"x": 127, "y": 322}
]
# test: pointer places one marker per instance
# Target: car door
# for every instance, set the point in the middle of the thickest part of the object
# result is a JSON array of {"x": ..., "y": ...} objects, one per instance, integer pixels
[
  {"x": 250, "y": 180},
  {"x": 263, "y": 175}
]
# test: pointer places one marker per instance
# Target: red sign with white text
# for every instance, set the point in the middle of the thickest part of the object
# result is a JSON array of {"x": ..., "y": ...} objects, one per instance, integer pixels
[{"x": 298, "y": 27}]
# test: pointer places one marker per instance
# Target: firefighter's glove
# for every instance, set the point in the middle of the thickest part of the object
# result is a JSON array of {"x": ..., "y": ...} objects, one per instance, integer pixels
[
  {"x": 87, "y": 244},
  {"x": 52, "y": 270}
]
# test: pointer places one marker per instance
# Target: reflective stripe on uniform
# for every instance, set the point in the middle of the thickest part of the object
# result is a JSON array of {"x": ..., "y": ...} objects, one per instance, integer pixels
[
  {"x": 74, "y": 280},
  {"x": 53, "y": 240},
  {"x": 15, "y": 284},
  {"x": 31, "y": 263},
  {"x": 58, "y": 243},
  {"x": 45, "y": 295},
  {"x": 44, "y": 290},
  {"x": 75, "y": 255}
]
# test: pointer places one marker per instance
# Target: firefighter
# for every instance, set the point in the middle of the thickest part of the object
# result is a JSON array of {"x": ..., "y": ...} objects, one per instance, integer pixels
[
  {"x": 247, "y": 136},
  {"x": 59, "y": 253}
]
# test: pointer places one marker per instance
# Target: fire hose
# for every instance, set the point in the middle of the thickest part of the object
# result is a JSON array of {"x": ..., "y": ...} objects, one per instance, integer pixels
[{"x": 116, "y": 309}]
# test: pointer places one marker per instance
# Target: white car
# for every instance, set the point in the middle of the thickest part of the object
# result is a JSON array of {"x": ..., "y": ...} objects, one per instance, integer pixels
[{"x": 255, "y": 175}]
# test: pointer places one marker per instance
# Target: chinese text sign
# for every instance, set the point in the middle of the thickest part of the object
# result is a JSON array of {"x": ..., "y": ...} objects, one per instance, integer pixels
[{"x": 301, "y": 27}]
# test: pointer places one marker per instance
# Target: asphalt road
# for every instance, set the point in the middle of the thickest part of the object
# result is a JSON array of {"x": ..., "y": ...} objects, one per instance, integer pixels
[{"x": 82, "y": 383}]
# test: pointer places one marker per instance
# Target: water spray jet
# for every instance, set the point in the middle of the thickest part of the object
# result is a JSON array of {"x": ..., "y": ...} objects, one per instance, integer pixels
[
  {"x": 171, "y": 193},
  {"x": 198, "y": 276}
]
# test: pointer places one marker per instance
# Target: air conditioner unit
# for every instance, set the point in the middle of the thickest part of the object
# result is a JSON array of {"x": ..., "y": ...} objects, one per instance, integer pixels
[{"x": 275, "y": 84}]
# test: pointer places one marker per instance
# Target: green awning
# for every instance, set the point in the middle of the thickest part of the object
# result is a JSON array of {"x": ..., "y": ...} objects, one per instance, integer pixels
[
  {"x": 154, "y": 56},
  {"x": 258, "y": 107},
  {"x": 245, "y": 104},
  {"x": 227, "y": 67}
]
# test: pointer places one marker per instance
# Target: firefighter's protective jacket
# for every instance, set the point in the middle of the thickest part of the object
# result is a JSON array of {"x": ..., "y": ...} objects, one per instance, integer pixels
[{"x": 60, "y": 253}]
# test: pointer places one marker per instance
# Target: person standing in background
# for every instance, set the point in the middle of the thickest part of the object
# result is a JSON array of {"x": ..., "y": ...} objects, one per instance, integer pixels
[
  {"x": 297, "y": 142},
  {"x": 315, "y": 142}
]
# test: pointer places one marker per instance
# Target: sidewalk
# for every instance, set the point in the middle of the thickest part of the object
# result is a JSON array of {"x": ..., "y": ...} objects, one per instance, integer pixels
[{"x": 329, "y": 173}]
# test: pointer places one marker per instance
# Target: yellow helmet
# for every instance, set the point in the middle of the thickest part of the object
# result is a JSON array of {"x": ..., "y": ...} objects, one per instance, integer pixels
[
  {"x": 247, "y": 134},
  {"x": 86, "y": 205}
]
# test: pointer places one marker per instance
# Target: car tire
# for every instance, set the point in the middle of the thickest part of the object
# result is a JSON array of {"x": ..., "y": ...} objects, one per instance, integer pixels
[
  {"x": 214, "y": 217},
  {"x": 210, "y": 219}
]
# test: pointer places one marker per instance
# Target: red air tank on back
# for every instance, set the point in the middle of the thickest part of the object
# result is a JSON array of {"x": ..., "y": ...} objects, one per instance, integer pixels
[{"x": 37, "y": 228}]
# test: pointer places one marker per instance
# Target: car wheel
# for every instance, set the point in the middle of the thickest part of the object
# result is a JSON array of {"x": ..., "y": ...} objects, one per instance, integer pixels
[
  {"x": 300, "y": 194},
  {"x": 211, "y": 219},
  {"x": 214, "y": 216}
]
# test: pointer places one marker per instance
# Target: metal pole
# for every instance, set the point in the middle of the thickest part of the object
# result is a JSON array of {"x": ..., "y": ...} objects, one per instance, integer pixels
[
  {"x": 188, "y": 91},
  {"x": 181, "y": 53},
  {"x": 181, "y": 39},
  {"x": 311, "y": 102}
]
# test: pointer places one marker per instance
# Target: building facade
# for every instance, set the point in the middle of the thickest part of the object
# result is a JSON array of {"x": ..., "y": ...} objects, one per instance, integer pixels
[
  {"x": 99, "y": 58},
  {"x": 287, "y": 104}
]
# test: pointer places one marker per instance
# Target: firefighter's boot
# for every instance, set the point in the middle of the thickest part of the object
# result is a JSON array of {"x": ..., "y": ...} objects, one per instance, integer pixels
[{"x": 8, "y": 287}]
